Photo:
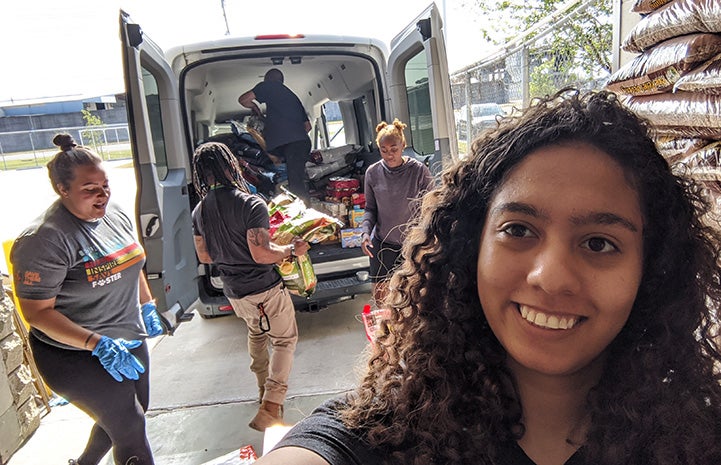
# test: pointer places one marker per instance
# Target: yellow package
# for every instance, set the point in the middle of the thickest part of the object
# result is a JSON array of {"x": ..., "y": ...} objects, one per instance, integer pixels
[{"x": 356, "y": 217}]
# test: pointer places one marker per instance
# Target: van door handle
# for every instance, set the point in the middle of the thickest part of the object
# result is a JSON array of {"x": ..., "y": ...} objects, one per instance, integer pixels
[{"x": 150, "y": 224}]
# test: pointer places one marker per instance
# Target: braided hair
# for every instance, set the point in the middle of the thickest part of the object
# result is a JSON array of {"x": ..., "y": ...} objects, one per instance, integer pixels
[{"x": 214, "y": 164}]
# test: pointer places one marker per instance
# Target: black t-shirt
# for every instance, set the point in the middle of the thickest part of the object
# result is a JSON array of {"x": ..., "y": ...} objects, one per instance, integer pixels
[
  {"x": 223, "y": 219},
  {"x": 285, "y": 116},
  {"x": 324, "y": 433}
]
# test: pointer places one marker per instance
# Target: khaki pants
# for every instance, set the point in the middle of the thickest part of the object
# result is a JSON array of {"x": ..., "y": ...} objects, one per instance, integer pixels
[{"x": 272, "y": 370}]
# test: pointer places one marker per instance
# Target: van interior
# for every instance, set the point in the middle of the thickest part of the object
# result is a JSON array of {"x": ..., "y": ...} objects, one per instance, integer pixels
[
  {"x": 340, "y": 92},
  {"x": 347, "y": 83}
]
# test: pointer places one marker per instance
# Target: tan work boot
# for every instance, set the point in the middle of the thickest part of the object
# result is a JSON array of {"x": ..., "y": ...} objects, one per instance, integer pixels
[{"x": 269, "y": 414}]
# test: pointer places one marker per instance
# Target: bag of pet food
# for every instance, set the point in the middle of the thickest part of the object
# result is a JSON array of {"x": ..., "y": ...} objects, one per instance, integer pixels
[{"x": 298, "y": 275}]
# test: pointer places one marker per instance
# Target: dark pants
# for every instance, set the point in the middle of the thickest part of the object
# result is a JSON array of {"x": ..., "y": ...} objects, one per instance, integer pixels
[
  {"x": 296, "y": 155},
  {"x": 117, "y": 408},
  {"x": 386, "y": 257}
]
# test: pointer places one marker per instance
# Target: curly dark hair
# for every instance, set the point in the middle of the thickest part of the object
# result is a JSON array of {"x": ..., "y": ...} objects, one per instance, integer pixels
[
  {"x": 214, "y": 163},
  {"x": 437, "y": 388}
]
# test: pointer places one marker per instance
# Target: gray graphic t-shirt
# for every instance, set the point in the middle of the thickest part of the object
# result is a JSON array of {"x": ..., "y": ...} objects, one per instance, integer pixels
[{"x": 91, "y": 268}]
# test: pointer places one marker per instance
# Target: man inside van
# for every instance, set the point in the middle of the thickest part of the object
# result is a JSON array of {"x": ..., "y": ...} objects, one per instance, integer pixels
[{"x": 286, "y": 126}]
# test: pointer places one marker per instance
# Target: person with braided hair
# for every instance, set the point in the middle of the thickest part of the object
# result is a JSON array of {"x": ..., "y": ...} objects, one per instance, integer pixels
[
  {"x": 78, "y": 274},
  {"x": 558, "y": 304},
  {"x": 231, "y": 230}
]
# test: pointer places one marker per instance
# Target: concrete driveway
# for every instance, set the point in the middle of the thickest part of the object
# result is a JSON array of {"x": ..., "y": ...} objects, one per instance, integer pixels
[{"x": 203, "y": 394}]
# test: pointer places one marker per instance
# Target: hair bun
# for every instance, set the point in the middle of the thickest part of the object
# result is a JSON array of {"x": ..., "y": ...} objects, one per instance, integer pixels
[{"x": 64, "y": 141}]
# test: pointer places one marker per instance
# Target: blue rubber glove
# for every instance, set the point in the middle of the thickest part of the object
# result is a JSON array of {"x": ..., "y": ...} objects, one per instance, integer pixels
[
  {"x": 153, "y": 326},
  {"x": 117, "y": 360}
]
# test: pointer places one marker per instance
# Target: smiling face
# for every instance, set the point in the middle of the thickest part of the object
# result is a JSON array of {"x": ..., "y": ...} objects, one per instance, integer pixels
[
  {"x": 391, "y": 148},
  {"x": 560, "y": 258},
  {"x": 87, "y": 194}
]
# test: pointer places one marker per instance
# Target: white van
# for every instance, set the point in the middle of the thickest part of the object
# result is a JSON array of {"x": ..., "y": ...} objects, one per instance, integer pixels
[{"x": 179, "y": 99}]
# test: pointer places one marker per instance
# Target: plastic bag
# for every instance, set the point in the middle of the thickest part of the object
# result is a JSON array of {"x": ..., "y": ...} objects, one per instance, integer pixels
[
  {"x": 705, "y": 78},
  {"x": 672, "y": 20},
  {"x": 245, "y": 456},
  {"x": 693, "y": 113},
  {"x": 298, "y": 275},
  {"x": 658, "y": 68},
  {"x": 675, "y": 148},
  {"x": 307, "y": 223},
  {"x": 647, "y": 6}
]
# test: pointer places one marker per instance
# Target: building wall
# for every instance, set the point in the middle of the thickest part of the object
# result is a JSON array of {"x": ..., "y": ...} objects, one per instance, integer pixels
[{"x": 31, "y": 132}]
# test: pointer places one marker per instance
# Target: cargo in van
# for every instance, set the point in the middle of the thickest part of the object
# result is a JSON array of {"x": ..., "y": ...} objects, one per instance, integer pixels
[{"x": 347, "y": 85}]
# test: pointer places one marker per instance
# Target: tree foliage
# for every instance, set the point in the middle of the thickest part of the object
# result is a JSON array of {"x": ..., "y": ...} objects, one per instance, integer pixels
[
  {"x": 94, "y": 136},
  {"x": 576, "y": 52}
]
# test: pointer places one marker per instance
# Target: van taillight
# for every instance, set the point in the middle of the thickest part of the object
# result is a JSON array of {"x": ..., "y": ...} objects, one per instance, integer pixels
[
  {"x": 279, "y": 36},
  {"x": 225, "y": 308}
]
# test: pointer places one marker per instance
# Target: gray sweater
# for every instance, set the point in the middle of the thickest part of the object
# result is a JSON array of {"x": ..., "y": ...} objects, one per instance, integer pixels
[{"x": 390, "y": 195}]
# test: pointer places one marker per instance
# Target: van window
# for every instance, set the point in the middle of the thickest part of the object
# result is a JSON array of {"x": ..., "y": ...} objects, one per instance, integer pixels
[
  {"x": 152, "y": 100},
  {"x": 419, "y": 104},
  {"x": 334, "y": 122}
]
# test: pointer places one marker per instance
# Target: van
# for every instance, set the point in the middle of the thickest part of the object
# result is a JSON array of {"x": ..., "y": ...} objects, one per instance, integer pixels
[{"x": 181, "y": 98}]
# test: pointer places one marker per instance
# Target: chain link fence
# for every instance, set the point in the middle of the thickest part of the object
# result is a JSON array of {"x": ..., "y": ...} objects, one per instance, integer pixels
[
  {"x": 525, "y": 68},
  {"x": 34, "y": 148}
]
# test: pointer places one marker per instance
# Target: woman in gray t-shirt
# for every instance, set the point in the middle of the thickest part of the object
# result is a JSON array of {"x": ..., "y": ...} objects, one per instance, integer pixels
[{"x": 78, "y": 274}]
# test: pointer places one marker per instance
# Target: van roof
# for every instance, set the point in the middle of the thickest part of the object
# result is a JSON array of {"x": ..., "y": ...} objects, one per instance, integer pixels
[
  {"x": 274, "y": 43},
  {"x": 317, "y": 68}
]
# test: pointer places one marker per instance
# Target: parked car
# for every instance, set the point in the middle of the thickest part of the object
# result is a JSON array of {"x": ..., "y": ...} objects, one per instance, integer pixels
[
  {"x": 483, "y": 116},
  {"x": 189, "y": 94}
]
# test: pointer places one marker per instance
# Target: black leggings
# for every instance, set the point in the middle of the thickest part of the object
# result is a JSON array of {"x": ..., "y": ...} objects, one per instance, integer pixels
[{"x": 117, "y": 408}]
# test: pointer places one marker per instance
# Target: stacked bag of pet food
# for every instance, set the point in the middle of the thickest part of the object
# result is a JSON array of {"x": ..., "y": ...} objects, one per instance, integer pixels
[
  {"x": 290, "y": 218},
  {"x": 675, "y": 82}
]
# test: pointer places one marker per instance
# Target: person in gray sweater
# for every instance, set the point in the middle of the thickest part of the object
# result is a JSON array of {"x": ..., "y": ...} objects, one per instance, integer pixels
[{"x": 391, "y": 186}]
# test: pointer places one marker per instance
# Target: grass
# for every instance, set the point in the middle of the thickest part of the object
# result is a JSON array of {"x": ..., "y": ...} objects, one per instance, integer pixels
[{"x": 25, "y": 160}]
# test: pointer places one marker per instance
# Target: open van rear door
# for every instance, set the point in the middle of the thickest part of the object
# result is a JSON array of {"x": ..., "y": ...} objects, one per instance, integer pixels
[
  {"x": 419, "y": 88},
  {"x": 160, "y": 159}
]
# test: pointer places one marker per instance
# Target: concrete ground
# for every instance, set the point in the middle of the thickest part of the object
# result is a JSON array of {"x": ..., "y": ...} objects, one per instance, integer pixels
[{"x": 203, "y": 395}]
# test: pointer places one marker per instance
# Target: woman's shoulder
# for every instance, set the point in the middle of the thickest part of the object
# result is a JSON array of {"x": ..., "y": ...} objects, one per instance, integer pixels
[
  {"x": 416, "y": 164},
  {"x": 324, "y": 433},
  {"x": 49, "y": 231},
  {"x": 52, "y": 222}
]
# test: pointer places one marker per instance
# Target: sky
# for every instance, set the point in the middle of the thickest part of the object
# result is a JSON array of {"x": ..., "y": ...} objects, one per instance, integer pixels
[{"x": 66, "y": 48}]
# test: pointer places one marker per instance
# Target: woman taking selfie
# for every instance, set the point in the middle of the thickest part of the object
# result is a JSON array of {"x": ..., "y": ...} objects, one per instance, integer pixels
[{"x": 557, "y": 305}]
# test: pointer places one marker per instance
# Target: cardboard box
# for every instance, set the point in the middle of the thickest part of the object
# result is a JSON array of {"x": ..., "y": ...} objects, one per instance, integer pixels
[
  {"x": 356, "y": 217},
  {"x": 350, "y": 238}
]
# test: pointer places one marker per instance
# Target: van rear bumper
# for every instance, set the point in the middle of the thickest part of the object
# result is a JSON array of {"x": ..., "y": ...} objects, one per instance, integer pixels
[
  {"x": 331, "y": 291},
  {"x": 327, "y": 291}
]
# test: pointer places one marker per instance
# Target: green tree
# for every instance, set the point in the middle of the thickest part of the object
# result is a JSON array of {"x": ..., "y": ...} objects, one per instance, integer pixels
[
  {"x": 93, "y": 136},
  {"x": 576, "y": 52}
]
